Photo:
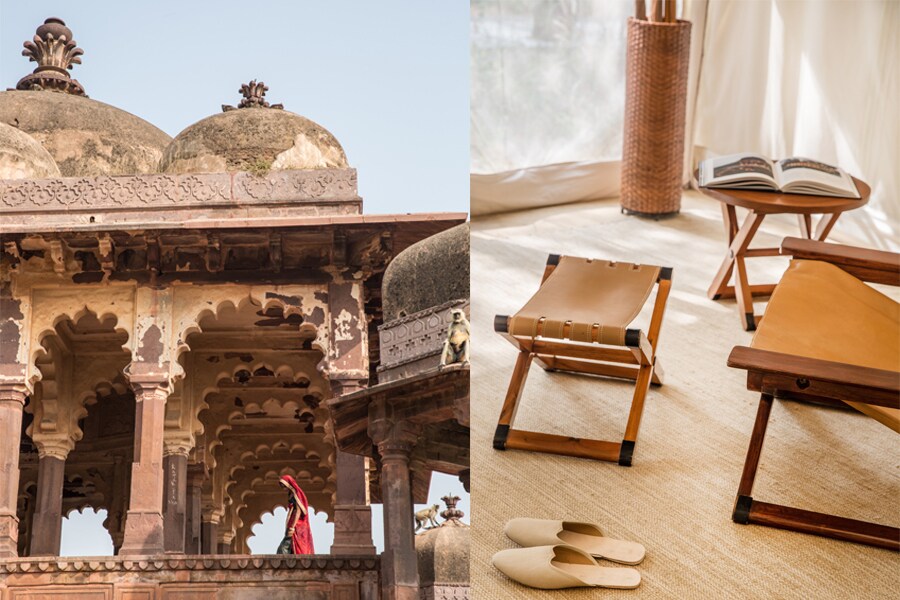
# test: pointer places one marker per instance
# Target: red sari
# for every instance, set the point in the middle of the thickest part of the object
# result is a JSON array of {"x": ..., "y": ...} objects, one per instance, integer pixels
[{"x": 302, "y": 542}]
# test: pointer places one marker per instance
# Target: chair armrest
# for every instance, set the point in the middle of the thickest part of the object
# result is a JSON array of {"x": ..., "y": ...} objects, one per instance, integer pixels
[
  {"x": 876, "y": 266},
  {"x": 769, "y": 372}
]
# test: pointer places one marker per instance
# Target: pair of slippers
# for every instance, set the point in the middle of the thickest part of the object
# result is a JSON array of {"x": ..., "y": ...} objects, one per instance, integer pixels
[{"x": 562, "y": 554}]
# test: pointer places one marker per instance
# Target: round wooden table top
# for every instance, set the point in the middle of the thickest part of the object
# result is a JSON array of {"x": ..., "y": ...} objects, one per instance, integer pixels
[{"x": 776, "y": 202}]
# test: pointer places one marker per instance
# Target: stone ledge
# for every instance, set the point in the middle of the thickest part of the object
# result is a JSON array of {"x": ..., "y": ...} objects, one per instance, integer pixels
[{"x": 186, "y": 563}]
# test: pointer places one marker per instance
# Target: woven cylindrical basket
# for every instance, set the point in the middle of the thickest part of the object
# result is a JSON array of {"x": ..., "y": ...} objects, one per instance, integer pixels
[{"x": 656, "y": 72}]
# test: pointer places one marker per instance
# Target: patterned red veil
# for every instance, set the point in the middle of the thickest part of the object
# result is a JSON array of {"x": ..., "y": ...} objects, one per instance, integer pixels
[{"x": 302, "y": 539}]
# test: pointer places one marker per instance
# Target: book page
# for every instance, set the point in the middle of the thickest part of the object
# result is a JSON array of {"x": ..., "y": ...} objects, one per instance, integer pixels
[
  {"x": 804, "y": 175},
  {"x": 738, "y": 170}
]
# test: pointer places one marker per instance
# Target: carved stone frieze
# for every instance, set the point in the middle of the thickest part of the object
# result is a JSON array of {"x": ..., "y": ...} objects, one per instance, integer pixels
[
  {"x": 165, "y": 191},
  {"x": 184, "y": 563},
  {"x": 417, "y": 335}
]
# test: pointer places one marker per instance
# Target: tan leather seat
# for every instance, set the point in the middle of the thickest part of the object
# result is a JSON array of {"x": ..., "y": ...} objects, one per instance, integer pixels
[
  {"x": 820, "y": 311},
  {"x": 586, "y": 301}
]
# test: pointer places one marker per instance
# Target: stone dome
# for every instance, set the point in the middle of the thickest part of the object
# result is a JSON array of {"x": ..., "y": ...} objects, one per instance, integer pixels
[
  {"x": 85, "y": 137},
  {"x": 443, "y": 552},
  {"x": 253, "y": 138},
  {"x": 22, "y": 156},
  {"x": 428, "y": 273}
]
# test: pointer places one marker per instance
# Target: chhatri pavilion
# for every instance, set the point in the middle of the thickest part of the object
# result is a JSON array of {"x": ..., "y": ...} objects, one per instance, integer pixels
[{"x": 182, "y": 322}]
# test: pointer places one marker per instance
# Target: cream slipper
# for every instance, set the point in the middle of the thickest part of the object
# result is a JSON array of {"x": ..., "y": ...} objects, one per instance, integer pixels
[
  {"x": 561, "y": 566},
  {"x": 584, "y": 536}
]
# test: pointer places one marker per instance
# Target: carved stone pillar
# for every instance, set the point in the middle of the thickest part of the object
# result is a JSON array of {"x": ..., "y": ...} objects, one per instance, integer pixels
[
  {"x": 12, "y": 401},
  {"x": 175, "y": 457},
  {"x": 395, "y": 441},
  {"x": 352, "y": 512},
  {"x": 144, "y": 521},
  {"x": 119, "y": 504},
  {"x": 209, "y": 536},
  {"x": 192, "y": 516},
  {"x": 46, "y": 528}
]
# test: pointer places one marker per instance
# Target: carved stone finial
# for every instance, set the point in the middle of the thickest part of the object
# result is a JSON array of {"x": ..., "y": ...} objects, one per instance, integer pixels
[
  {"x": 254, "y": 97},
  {"x": 451, "y": 514},
  {"x": 54, "y": 50}
]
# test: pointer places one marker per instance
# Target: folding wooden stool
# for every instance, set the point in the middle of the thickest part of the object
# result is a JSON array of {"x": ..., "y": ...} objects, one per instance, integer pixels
[
  {"x": 826, "y": 338},
  {"x": 576, "y": 323}
]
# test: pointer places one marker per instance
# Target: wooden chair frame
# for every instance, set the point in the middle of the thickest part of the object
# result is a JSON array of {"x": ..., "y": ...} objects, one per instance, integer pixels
[
  {"x": 774, "y": 374},
  {"x": 636, "y": 361}
]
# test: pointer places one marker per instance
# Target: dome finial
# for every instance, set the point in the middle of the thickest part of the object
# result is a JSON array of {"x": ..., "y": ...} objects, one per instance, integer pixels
[
  {"x": 254, "y": 97},
  {"x": 451, "y": 514},
  {"x": 54, "y": 50}
]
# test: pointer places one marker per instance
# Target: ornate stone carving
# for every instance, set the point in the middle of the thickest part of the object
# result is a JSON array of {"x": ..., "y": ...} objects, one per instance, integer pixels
[
  {"x": 254, "y": 97},
  {"x": 415, "y": 336},
  {"x": 54, "y": 50},
  {"x": 198, "y": 189},
  {"x": 114, "y": 564}
]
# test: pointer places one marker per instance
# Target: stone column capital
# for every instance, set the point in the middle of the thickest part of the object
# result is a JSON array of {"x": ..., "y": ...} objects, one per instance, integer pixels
[
  {"x": 147, "y": 378},
  {"x": 177, "y": 446},
  {"x": 13, "y": 393},
  {"x": 342, "y": 385},
  {"x": 55, "y": 446},
  {"x": 394, "y": 439}
]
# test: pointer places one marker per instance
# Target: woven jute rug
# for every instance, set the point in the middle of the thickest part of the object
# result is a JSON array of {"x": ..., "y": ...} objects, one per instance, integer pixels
[{"x": 677, "y": 498}]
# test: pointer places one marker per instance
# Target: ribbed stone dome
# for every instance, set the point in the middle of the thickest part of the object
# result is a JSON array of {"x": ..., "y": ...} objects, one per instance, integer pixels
[
  {"x": 443, "y": 552},
  {"x": 85, "y": 137},
  {"x": 21, "y": 156},
  {"x": 428, "y": 273},
  {"x": 251, "y": 139}
]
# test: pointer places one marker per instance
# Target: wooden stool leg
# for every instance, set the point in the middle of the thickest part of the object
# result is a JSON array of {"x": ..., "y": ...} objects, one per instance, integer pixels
[
  {"x": 744, "y": 500},
  {"x": 634, "y": 416},
  {"x": 513, "y": 394},
  {"x": 805, "y": 221},
  {"x": 826, "y": 223},
  {"x": 741, "y": 286},
  {"x": 720, "y": 281}
]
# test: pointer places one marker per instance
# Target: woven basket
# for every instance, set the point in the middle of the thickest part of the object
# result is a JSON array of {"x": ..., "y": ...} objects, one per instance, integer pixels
[{"x": 656, "y": 72}]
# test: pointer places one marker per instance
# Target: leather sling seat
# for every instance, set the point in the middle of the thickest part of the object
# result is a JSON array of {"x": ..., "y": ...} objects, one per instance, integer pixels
[
  {"x": 820, "y": 311},
  {"x": 586, "y": 300}
]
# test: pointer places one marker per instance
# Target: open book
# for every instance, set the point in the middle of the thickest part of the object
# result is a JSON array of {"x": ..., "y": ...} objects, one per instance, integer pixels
[{"x": 789, "y": 175}]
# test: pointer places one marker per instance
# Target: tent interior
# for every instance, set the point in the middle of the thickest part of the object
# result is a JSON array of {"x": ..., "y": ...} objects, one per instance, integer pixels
[{"x": 549, "y": 106}]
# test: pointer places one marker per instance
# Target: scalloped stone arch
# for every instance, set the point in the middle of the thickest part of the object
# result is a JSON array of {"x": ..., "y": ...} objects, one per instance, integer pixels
[
  {"x": 49, "y": 307},
  {"x": 214, "y": 299},
  {"x": 99, "y": 373}
]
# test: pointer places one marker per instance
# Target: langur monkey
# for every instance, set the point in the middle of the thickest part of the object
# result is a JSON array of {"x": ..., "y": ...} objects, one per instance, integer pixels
[{"x": 456, "y": 346}]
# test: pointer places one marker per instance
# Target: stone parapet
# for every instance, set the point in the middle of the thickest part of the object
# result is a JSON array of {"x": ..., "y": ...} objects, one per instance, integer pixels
[
  {"x": 414, "y": 343},
  {"x": 259, "y": 577},
  {"x": 136, "y": 199}
]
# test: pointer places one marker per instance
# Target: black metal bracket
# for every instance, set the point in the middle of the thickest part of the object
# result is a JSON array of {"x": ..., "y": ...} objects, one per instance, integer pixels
[
  {"x": 500, "y": 436},
  {"x": 625, "y": 453},
  {"x": 665, "y": 273},
  {"x": 553, "y": 259},
  {"x": 741, "y": 512}
]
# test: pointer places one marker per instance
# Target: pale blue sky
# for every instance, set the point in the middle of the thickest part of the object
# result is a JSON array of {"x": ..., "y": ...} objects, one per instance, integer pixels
[{"x": 390, "y": 79}]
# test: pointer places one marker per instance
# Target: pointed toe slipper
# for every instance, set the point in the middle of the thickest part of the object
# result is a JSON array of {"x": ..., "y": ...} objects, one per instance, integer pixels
[
  {"x": 561, "y": 566},
  {"x": 584, "y": 536}
]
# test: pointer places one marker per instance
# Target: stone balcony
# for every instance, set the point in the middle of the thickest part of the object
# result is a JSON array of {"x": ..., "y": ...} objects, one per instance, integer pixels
[
  {"x": 413, "y": 344},
  {"x": 214, "y": 577}
]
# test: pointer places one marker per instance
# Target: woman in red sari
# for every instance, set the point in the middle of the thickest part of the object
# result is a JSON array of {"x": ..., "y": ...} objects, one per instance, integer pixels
[{"x": 297, "y": 530}]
